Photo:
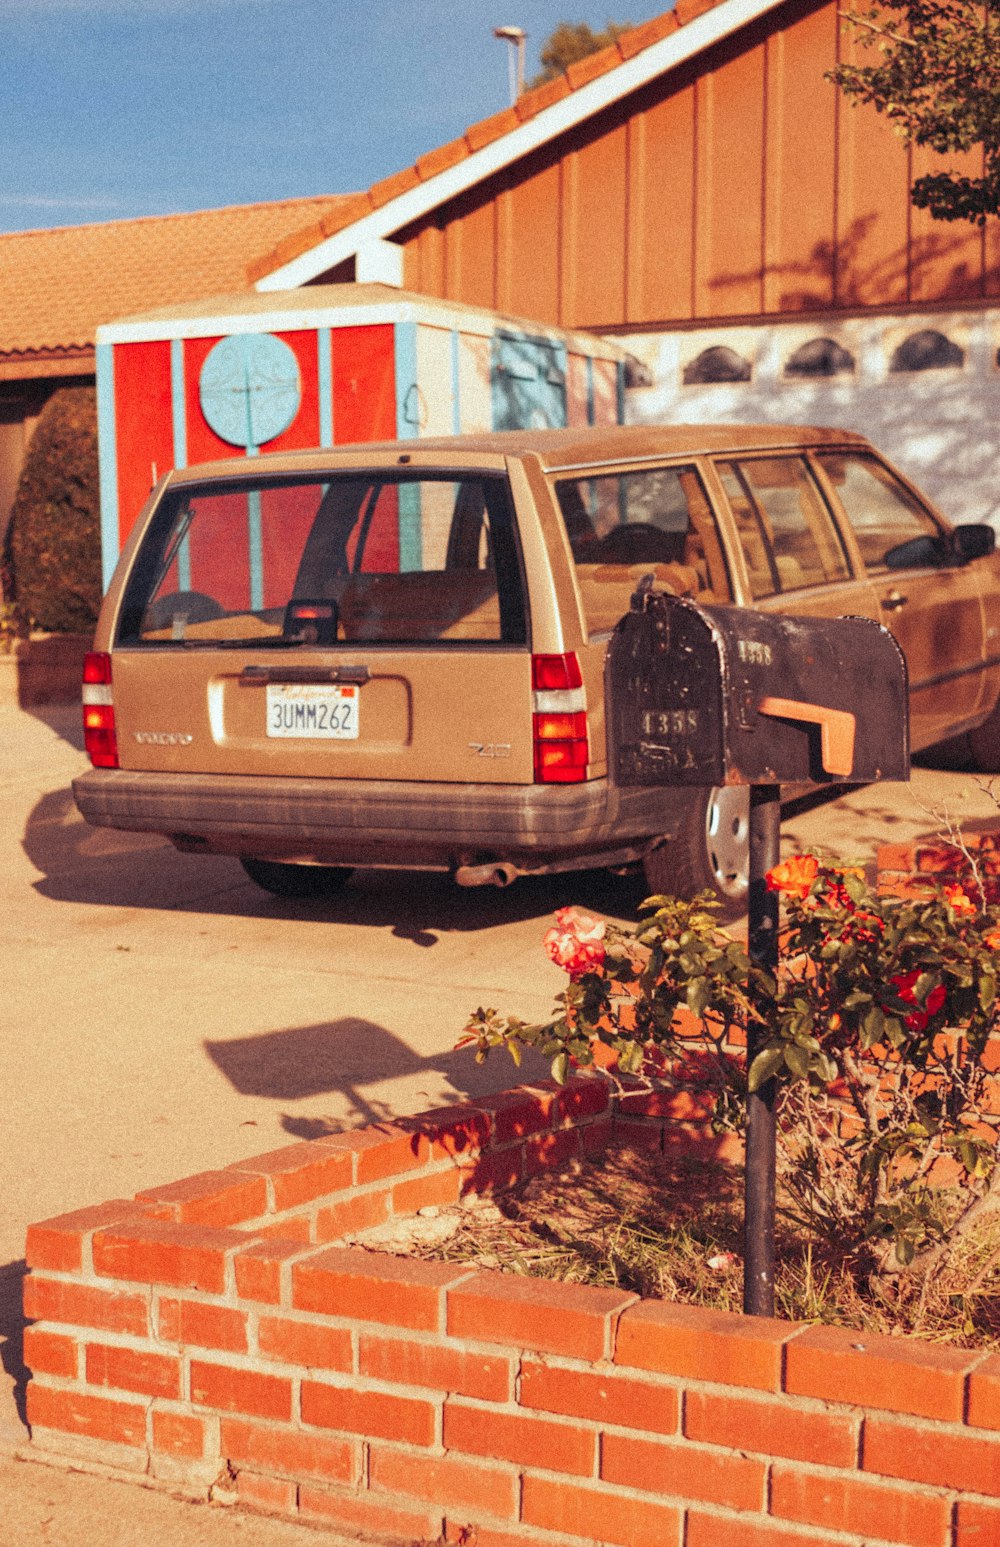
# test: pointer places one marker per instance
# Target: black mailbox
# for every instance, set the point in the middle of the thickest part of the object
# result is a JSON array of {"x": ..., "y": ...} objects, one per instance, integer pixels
[{"x": 725, "y": 695}]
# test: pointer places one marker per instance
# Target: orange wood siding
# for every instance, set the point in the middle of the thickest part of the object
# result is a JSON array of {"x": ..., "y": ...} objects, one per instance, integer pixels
[{"x": 739, "y": 184}]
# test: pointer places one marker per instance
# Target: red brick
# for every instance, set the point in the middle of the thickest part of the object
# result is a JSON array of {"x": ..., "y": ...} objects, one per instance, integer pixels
[
  {"x": 357, "y": 1211},
  {"x": 204, "y": 1326},
  {"x": 231, "y": 1390},
  {"x": 924, "y": 1454},
  {"x": 596, "y": 1137},
  {"x": 548, "y": 1151},
  {"x": 441, "y": 158},
  {"x": 456, "y": 1529},
  {"x": 494, "y": 1172},
  {"x": 895, "y": 856},
  {"x": 683, "y": 1471},
  {"x": 373, "y": 1517},
  {"x": 51, "y": 1353},
  {"x": 259, "y": 1269},
  {"x": 305, "y": 1343},
  {"x": 57, "y": 1244},
  {"x": 698, "y": 1344},
  {"x": 177, "y": 1434},
  {"x": 571, "y": 1319},
  {"x": 273, "y": 1495},
  {"x": 637, "y": 1133},
  {"x": 515, "y": 1114},
  {"x": 976, "y": 1524},
  {"x": 384, "y": 1149},
  {"x": 371, "y": 1413},
  {"x": 298, "y": 1173},
  {"x": 437, "y": 1367},
  {"x": 293, "y": 1227},
  {"x": 78, "y": 1412},
  {"x": 372, "y": 1286},
  {"x": 714, "y": 1530},
  {"x": 289, "y": 1452},
  {"x": 527, "y": 1441},
  {"x": 595, "y": 1514},
  {"x": 984, "y": 1395},
  {"x": 131, "y": 1369},
  {"x": 606, "y": 1397},
  {"x": 900, "y": 1375},
  {"x": 213, "y": 1198},
  {"x": 157, "y": 1252},
  {"x": 452, "y": 1132},
  {"x": 447, "y": 1481},
  {"x": 84, "y": 1305},
  {"x": 437, "y": 1190},
  {"x": 860, "y": 1507},
  {"x": 771, "y": 1428}
]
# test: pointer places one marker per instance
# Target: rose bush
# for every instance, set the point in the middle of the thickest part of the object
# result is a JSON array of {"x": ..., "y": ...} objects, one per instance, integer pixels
[{"x": 878, "y": 1029}]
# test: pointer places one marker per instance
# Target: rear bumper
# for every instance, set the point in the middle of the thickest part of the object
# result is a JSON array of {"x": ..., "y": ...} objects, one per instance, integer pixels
[{"x": 371, "y": 822}]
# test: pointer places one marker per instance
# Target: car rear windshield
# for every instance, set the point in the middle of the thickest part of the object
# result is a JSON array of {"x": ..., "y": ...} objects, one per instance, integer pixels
[{"x": 384, "y": 558}]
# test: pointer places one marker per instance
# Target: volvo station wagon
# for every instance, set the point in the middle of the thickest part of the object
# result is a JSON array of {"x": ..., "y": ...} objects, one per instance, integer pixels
[{"x": 393, "y": 655}]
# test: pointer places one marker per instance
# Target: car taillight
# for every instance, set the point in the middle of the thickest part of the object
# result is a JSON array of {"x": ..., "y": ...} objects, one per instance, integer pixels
[
  {"x": 559, "y": 720},
  {"x": 99, "y": 738}
]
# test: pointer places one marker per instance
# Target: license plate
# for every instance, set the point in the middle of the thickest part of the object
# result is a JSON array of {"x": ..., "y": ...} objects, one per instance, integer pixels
[{"x": 314, "y": 710}]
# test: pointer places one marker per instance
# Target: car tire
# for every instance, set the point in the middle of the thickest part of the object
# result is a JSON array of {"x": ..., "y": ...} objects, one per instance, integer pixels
[
  {"x": 710, "y": 853},
  {"x": 295, "y": 880},
  {"x": 984, "y": 744}
]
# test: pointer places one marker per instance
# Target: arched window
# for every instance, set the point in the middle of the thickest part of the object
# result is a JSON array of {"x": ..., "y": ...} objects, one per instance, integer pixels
[
  {"x": 927, "y": 350},
  {"x": 820, "y": 357},
  {"x": 715, "y": 365}
]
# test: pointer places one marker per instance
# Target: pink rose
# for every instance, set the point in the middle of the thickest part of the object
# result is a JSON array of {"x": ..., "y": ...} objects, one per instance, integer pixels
[{"x": 575, "y": 942}]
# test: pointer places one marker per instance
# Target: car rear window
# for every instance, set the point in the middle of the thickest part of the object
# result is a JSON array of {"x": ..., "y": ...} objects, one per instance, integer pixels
[
  {"x": 621, "y": 526},
  {"x": 380, "y": 558}
]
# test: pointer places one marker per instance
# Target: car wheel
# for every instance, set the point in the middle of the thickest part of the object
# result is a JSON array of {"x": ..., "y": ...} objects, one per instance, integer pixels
[
  {"x": 984, "y": 743},
  {"x": 295, "y": 880},
  {"x": 711, "y": 853}
]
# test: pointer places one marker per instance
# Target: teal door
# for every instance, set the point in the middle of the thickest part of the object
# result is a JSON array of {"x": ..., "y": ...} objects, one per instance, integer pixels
[{"x": 527, "y": 382}]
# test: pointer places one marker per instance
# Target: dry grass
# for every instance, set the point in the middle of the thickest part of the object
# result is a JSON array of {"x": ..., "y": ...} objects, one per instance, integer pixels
[{"x": 653, "y": 1225}]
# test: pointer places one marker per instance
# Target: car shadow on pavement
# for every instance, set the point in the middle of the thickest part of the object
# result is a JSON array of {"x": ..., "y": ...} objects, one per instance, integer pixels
[
  {"x": 348, "y": 1058},
  {"x": 84, "y": 864},
  {"x": 12, "y": 1275}
]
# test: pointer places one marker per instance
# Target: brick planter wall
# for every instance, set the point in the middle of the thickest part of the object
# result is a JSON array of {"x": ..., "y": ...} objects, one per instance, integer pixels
[
  {"x": 46, "y": 669},
  {"x": 208, "y": 1334}
]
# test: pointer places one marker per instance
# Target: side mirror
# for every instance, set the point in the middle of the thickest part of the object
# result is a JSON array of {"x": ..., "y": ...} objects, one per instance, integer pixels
[
  {"x": 919, "y": 553},
  {"x": 974, "y": 541}
]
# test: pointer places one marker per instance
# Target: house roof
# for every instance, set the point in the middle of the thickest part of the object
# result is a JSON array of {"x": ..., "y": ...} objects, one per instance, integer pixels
[
  {"x": 58, "y": 285},
  {"x": 639, "y": 55}
]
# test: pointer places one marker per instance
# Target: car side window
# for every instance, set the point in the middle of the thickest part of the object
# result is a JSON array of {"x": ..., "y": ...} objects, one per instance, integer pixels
[
  {"x": 622, "y": 526},
  {"x": 787, "y": 534},
  {"x": 882, "y": 511}
]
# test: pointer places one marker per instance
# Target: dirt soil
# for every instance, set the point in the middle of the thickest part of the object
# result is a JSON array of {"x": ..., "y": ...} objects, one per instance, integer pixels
[{"x": 671, "y": 1228}]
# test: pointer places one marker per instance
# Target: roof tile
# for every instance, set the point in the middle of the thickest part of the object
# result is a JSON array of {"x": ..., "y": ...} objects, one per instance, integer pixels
[
  {"x": 441, "y": 159},
  {"x": 59, "y": 285},
  {"x": 540, "y": 97},
  {"x": 633, "y": 42},
  {"x": 392, "y": 187},
  {"x": 489, "y": 129},
  {"x": 591, "y": 66}
]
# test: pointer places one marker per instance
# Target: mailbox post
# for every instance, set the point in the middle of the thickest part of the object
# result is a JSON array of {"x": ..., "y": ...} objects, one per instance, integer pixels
[{"x": 725, "y": 695}]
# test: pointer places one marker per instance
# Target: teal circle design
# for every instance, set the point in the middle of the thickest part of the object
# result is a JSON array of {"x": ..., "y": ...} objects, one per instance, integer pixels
[{"x": 249, "y": 388}]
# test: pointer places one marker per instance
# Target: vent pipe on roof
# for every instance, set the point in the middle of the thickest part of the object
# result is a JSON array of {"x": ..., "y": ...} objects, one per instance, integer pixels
[{"x": 514, "y": 37}]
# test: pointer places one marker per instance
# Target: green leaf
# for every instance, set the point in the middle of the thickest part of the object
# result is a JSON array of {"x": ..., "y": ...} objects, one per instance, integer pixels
[
  {"x": 798, "y": 1061},
  {"x": 765, "y": 1065},
  {"x": 560, "y": 1068}
]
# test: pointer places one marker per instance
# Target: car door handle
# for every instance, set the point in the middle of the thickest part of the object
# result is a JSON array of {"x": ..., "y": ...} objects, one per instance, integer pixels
[{"x": 894, "y": 600}]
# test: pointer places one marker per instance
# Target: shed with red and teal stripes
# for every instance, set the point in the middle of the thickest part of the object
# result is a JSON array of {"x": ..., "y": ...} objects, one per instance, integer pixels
[{"x": 326, "y": 365}]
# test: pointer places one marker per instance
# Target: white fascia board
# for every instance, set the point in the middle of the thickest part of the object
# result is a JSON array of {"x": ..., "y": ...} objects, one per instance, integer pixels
[
  {"x": 435, "y": 314},
  {"x": 723, "y": 19}
]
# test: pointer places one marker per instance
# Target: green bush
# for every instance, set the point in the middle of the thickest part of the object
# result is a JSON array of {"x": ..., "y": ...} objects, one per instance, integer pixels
[{"x": 54, "y": 549}]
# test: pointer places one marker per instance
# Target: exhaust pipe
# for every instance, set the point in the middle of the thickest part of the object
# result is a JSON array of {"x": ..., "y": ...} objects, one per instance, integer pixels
[{"x": 498, "y": 873}]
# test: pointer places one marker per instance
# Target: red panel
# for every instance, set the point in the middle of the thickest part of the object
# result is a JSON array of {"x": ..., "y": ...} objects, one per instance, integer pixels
[
  {"x": 203, "y": 445},
  {"x": 364, "y": 384},
  {"x": 219, "y": 549},
  {"x": 303, "y": 432},
  {"x": 143, "y": 425},
  {"x": 286, "y": 517}
]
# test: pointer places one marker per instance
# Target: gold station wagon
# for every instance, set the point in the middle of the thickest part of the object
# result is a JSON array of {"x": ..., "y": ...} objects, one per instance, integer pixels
[{"x": 393, "y": 655}]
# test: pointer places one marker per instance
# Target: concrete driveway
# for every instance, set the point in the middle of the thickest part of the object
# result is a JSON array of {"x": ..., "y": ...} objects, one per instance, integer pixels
[{"x": 164, "y": 1016}]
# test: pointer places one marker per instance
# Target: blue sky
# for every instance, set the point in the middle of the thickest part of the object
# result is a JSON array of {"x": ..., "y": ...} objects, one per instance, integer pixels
[{"x": 118, "y": 108}]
